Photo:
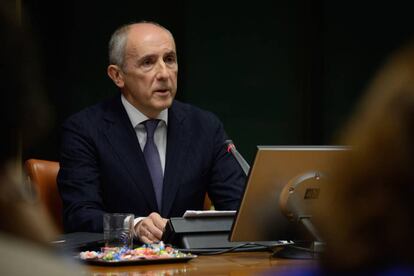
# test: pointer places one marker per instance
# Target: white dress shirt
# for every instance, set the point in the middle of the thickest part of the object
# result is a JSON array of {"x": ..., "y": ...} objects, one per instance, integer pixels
[{"x": 160, "y": 135}]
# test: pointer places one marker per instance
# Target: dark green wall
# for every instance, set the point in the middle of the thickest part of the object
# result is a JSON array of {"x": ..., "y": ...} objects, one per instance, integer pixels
[
  {"x": 244, "y": 63},
  {"x": 275, "y": 72}
]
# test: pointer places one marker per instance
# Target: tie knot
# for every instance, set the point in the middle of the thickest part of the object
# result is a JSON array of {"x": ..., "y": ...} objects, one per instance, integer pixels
[{"x": 150, "y": 126}]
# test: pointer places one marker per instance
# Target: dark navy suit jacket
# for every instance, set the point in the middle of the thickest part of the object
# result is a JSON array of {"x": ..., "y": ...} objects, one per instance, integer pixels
[{"x": 102, "y": 167}]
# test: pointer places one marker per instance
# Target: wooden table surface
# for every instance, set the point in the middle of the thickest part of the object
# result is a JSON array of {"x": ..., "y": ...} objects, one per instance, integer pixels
[{"x": 240, "y": 263}]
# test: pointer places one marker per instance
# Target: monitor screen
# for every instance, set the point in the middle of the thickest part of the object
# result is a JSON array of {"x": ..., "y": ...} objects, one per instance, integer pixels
[{"x": 280, "y": 179}]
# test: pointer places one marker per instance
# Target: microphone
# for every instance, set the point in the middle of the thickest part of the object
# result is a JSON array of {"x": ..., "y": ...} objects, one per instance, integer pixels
[{"x": 232, "y": 149}]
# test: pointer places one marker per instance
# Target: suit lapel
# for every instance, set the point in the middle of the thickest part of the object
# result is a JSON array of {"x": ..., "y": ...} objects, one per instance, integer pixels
[
  {"x": 178, "y": 140},
  {"x": 121, "y": 135}
]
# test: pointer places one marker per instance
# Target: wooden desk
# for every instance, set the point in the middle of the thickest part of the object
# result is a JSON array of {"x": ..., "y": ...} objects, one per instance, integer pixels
[{"x": 242, "y": 263}]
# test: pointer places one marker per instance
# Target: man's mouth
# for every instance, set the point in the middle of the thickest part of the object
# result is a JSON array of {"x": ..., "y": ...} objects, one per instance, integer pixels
[{"x": 162, "y": 90}]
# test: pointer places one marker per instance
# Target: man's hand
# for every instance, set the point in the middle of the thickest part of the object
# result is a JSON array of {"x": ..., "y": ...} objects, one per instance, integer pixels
[{"x": 149, "y": 230}]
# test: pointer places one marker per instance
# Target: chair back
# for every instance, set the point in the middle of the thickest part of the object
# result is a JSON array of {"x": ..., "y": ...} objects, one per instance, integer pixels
[
  {"x": 207, "y": 203},
  {"x": 42, "y": 175}
]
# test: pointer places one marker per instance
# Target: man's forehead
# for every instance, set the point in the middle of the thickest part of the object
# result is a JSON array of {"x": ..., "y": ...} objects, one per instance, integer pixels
[
  {"x": 146, "y": 38},
  {"x": 149, "y": 32},
  {"x": 139, "y": 50}
]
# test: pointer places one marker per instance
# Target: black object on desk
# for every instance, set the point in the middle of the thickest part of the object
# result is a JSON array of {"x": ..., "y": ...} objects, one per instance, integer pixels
[
  {"x": 199, "y": 232},
  {"x": 79, "y": 241}
]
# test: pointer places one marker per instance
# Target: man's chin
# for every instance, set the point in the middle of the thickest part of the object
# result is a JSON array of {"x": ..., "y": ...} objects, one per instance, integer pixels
[{"x": 164, "y": 104}]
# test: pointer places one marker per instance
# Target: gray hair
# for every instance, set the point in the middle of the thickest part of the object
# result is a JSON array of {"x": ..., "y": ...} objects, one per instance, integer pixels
[
  {"x": 117, "y": 45},
  {"x": 118, "y": 41}
]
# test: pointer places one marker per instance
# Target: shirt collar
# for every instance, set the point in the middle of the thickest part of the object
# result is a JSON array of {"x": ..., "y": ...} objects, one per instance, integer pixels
[{"x": 136, "y": 117}]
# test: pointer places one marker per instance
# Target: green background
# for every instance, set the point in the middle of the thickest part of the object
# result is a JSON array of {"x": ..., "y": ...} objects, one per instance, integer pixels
[{"x": 275, "y": 72}]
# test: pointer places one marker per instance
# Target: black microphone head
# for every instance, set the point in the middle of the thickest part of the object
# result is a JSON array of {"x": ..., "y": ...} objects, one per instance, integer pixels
[
  {"x": 231, "y": 148},
  {"x": 229, "y": 145},
  {"x": 228, "y": 142}
]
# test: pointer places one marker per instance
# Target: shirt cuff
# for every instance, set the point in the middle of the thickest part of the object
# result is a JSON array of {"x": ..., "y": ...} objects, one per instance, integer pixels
[{"x": 136, "y": 221}]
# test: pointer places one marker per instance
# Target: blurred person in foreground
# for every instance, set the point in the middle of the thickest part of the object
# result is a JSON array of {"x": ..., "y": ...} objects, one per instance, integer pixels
[
  {"x": 366, "y": 212},
  {"x": 367, "y": 217},
  {"x": 25, "y": 227}
]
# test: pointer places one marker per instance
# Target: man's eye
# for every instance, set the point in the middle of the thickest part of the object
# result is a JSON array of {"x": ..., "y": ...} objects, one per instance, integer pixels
[
  {"x": 170, "y": 59},
  {"x": 146, "y": 63}
]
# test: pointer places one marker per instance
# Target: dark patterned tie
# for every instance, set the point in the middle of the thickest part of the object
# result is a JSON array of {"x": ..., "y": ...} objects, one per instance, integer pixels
[{"x": 153, "y": 160}]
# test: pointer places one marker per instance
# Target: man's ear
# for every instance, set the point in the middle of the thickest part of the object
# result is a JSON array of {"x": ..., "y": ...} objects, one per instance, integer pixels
[{"x": 115, "y": 73}]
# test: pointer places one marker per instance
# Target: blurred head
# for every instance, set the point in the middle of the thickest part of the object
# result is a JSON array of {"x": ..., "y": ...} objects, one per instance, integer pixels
[
  {"x": 143, "y": 64},
  {"x": 367, "y": 216},
  {"x": 25, "y": 116},
  {"x": 24, "y": 111}
]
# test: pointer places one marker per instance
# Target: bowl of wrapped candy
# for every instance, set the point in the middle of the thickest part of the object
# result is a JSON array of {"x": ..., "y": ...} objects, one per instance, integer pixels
[{"x": 146, "y": 254}]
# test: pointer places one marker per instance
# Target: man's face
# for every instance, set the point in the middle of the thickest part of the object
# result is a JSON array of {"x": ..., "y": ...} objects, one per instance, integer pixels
[{"x": 150, "y": 69}]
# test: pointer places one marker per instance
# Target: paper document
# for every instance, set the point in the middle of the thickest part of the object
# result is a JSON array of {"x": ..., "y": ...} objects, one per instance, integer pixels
[{"x": 209, "y": 213}]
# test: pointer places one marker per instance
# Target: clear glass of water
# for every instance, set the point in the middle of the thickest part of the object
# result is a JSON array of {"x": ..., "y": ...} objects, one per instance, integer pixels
[{"x": 118, "y": 229}]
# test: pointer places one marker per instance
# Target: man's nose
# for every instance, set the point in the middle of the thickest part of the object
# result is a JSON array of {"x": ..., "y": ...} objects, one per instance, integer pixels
[{"x": 162, "y": 70}]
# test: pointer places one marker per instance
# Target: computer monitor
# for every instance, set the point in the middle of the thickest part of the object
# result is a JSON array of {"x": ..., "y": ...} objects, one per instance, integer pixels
[{"x": 283, "y": 184}]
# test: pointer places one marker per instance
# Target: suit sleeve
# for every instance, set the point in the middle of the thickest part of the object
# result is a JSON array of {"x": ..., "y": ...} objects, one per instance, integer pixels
[
  {"x": 78, "y": 179},
  {"x": 227, "y": 179}
]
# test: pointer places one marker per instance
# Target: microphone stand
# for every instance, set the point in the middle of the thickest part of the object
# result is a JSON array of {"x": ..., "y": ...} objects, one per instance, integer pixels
[{"x": 239, "y": 158}]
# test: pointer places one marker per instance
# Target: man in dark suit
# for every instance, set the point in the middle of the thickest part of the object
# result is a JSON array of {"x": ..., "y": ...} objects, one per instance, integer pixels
[{"x": 143, "y": 152}]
